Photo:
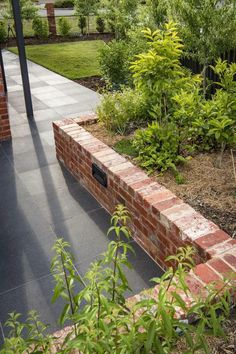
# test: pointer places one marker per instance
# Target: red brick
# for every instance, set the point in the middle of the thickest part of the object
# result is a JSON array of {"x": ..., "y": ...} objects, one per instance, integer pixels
[
  {"x": 222, "y": 247},
  {"x": 148, "y": 190},
  {"x": 231, "y": 259},
  {"x": 206, "y": 274},
  {"x": 195, "y": 286},
  {"x": 213, "y": 239},
  {"x": 141, "y": 184},
  {"x": 165, "y": 204},
  {"x": 51, "y": 18},
  {"x": 220, "y": 266},
  {"x": 168, "y": 216},
  {"x": 162, "y": 194},
  {"x": 199, "y": 228}
]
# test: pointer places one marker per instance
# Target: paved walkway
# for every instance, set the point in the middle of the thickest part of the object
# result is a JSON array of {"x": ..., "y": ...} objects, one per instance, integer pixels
[{"x": 40, "y": 200}]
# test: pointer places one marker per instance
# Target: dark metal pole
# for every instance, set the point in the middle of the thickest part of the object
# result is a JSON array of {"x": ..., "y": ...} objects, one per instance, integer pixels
[
  {"x": 3, "y": 71},
  {"x": 23, "y": 63}
]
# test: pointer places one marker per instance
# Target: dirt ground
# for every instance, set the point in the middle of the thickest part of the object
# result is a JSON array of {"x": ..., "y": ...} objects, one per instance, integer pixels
[
  {"x": 106, "y": 37},
  {"x": 217, "y": 345},
  {"x": 210, "y": 190},
  {"x": 95, "y": 83}
]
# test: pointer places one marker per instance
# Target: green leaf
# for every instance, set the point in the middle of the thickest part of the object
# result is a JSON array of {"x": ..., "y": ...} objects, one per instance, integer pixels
[
  {"x": 150, "y": 336},
  {"x": 64, "y": 314}
]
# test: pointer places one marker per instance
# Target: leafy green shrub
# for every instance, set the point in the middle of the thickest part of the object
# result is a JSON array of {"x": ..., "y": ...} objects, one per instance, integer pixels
[
  {"x": 158, "y": 72},
  {"x": 120, "y": 15},
  {"x": 40, "y": 28},
  {"x": 64, "y": 4},
  {"x": 3, "y": 32},
  {"x": 100, "y": 24},
  {"x": 186, "y": 107},
  {"x": 103, "y": 322},
  {"x": 158, "y": 147},
  {"x": 29, "y": 10},
  {"x": 114, "y": 63},
  {"x": 64, "y": 26},
  {"x": 122, "y": 111},
  {"x": 82, "y": 24},
  {"x": 116, "y": 57},
  {"x": 216, "y": 124}
]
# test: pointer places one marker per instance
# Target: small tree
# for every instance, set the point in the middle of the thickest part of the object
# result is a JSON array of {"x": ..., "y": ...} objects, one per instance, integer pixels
[
  {"x": 3, "y": 32},
  {"x": 158, "y": 72},
  {"x": 100, "y": 24},
  {"x": 40, "y": 28},
  {"x": 208, "y": 28},
  {"x": 82, "y": 24},
  {"x": 158, "y": 11},
  {"x": 120, "y": 15},
  {"x": 64, "y": 26},
  {"x": 86, "y": 8},
  {"x": 28, "y": 10}
]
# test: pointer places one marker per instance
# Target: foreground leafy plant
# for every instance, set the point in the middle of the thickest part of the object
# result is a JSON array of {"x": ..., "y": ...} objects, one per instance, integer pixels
[
  {"x": 104, "y": 322},
  {"x": 157, "y": 147}
]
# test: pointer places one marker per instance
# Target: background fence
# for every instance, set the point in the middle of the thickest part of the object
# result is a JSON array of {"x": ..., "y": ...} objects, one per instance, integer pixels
[
  {"x": 197, "y": 68},
  {"x": 73, "y": 20}
]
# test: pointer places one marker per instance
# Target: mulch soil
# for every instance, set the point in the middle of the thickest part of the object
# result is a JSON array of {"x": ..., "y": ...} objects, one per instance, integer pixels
[
  {"x": 217, "y": 345},
  {"x": 208, "y": 189},
  {"x": 95, "y": 83}
]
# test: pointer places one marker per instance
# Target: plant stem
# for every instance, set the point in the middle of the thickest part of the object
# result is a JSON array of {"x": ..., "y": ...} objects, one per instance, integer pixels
[
  {"x": 68, "y": 289},
  {"x": 114, "y": 272},
  {"x": 37, "y": 328},
  {"x": 204, "y": 84},
  {"x": 221, "y": 154},
  {"x": 99, "y": 311}
]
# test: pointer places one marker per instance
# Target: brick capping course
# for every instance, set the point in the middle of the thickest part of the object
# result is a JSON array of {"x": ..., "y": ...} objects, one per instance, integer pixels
[
  {"x": 5, "y": 130},
  {"x": 161, "y": 222}
]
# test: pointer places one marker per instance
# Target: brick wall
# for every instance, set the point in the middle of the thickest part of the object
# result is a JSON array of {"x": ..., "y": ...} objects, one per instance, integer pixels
[
  {"x": 161, "y": 222},
  {"x": 5, "y": 131},
  {"x": 51, "y": 18}
]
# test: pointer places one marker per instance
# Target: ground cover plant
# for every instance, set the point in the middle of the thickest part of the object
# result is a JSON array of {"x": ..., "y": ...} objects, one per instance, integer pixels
[
  {"x": 104, "y": 322},
  {"x": 72, "y": 60}
]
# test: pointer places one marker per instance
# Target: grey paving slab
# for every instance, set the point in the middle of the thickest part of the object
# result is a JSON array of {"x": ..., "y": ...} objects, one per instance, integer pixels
[
  {"x": 47, "y": 179},
  {"x": 35, "y": 295},
  {"x": 40, "y": 200},
  {"x": 65, "y": 203}
]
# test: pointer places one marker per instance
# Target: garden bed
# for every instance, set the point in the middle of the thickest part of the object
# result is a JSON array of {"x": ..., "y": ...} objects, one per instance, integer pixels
[
  {"x": 95, "y": 83},
  {"x": 208, "y": 189},
  {"x": 60, "y": 39}
]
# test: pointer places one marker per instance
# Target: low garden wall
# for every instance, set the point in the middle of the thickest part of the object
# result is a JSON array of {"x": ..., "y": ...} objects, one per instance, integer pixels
[
  {"x": 161, "y": 222},
  {"x": 5, "y": 131}
]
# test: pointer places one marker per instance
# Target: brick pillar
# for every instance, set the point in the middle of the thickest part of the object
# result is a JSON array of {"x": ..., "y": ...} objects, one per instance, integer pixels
[
  {"x": 51, "y": 17},
  {"x": 5, "y": 130}
]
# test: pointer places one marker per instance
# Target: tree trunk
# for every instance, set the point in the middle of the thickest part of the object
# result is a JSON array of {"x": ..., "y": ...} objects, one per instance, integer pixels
[
  {"x": 88, "y": 25},
  {"x": 204, "y": 82}
]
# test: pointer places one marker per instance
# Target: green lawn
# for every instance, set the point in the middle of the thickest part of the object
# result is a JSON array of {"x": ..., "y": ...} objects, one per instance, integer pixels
[{"x": 72, "y": 60}]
